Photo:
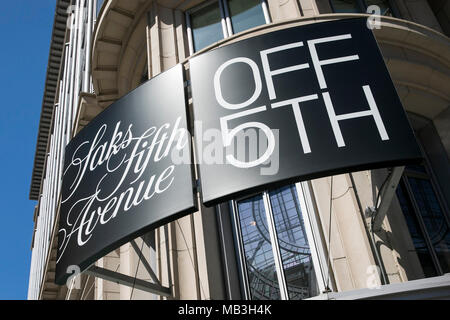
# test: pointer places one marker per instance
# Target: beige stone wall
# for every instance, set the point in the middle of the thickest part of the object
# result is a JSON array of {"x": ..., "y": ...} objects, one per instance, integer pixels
[
  {"x": 107, "y": 290},
  {"x": 348, "y": 245},
  {"x": 353, "y": 258},
  {"x": 181, "y": 245},
  {"x": 281, "y": 10}
]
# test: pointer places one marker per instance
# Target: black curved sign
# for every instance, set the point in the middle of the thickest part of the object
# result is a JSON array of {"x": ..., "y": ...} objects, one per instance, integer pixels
[
  {"x": 120, "y": 179},
  {"x": 295, "y": 104}
]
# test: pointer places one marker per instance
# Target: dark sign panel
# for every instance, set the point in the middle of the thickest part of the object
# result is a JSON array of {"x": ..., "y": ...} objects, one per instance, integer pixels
[
  {"x": 296, "y": 104},
  {"x": 120, "y": 179}
]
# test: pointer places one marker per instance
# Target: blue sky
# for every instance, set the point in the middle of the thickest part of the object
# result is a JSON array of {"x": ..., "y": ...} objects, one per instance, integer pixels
[{"x": 25, "y": 32}]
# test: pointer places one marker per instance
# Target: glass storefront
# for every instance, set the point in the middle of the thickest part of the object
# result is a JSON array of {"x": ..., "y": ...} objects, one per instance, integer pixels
[{"x": 284, "y": 219}]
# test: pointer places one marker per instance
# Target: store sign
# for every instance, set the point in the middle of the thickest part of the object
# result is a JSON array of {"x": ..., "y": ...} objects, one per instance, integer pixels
[
  {"x": 318, "y": 98},
  {"x": 119, "y": 178}
]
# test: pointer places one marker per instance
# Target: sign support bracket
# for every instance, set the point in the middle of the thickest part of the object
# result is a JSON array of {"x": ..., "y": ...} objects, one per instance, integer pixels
[
  {"x": 145, "y": 262},
  {"x": 387, "y": 193},
  {"x": 128, "y": 281}
]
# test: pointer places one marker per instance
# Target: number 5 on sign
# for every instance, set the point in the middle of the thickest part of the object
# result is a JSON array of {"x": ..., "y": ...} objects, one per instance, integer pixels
[{"x": 227, "y": 136}]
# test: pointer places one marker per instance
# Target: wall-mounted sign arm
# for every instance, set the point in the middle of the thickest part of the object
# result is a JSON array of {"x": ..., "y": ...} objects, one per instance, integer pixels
[
  {"x": 128, "y": 281},
  {"x": 387, "y": 194},
  {"x": 145, "y": 262}
]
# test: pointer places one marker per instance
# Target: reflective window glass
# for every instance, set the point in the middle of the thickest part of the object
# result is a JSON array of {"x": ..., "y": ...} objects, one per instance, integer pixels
[
  {"x": 434, "y": 219},
  {"x": 427, "y": 219},
  {"x": 206, "y": 26},
  {"x": 245, "y": 14},
  {"x": 417, "y": 236},
  {"x": 295, "y": 251},
  {"x": 291, "y": 262},
  {"x": 259, "y": 258}
]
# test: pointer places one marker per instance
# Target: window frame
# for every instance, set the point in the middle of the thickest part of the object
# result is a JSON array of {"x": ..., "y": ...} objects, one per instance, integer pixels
[
  {"x": 315, "y": 241},
  {"x": 227, "y": 26},
  {"x": 429, "y": 175}
]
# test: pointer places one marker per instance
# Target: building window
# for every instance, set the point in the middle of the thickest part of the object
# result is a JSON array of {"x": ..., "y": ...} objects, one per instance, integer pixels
[
  {"x": 215, "y": 20},
  {"x": 206, "y": 26},
  {"x": 279, "y": 255},
  {"x": 427, "y": 221},
  {"x": 245, "y": 14},
  {"x": 387, "y": 7}
]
